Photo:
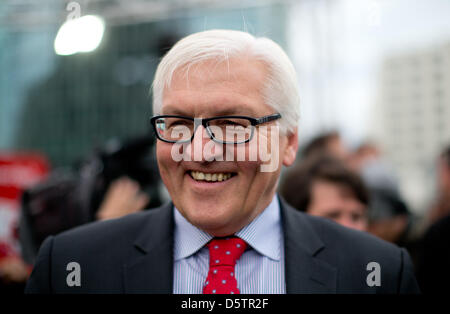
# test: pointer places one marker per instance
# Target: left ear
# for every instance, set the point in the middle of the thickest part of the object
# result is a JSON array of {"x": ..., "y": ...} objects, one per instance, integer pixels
[{"x": 290, "y": 150}]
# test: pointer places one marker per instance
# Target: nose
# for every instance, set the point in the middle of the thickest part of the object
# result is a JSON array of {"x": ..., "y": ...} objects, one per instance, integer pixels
[{"x": 202, "y": 148}]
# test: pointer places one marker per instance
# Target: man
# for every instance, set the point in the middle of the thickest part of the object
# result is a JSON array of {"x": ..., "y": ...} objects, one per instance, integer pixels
[
  {"x": 218, "y": 97},
  {"x": 324, "y": 186}
]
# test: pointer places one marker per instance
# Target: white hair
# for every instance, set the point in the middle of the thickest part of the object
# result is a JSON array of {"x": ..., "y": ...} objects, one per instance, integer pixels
[{"x": 281, "y": 86}]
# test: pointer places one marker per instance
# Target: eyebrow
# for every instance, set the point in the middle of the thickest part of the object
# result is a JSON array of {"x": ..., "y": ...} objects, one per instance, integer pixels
[
  {"x": 234, "y": 111},
  {"x": 173, "y": 110}
]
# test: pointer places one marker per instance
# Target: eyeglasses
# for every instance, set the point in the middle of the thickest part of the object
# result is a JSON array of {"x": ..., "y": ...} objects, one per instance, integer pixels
[{"x": 222, "y": 130}]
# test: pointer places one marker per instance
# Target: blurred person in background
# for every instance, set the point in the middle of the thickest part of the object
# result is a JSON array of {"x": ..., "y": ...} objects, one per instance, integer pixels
[
  {"x": 375, "y": 170},
  {"x": 326, "y": 143},
  {"x": 124, "y": 196},
  {"x": 116, "y": 180},
  {"x": 61, "y": 202},
  {"x": 389, "y": 219},
  {"x": 13, "y": 271},
  {"x": 441, "y": 207},
  {"x": 323, "y": 186},
  {"x": 321, "y": 182},
  {"x": 434, "y": 259},
  {"x": 389, "y": 215},
  {"x": 18, "y": 171},
  {"x": 432, "y": 270}
]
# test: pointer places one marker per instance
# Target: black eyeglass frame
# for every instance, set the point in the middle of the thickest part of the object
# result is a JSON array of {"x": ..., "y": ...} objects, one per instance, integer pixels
[{"x": 204, "y": 122}]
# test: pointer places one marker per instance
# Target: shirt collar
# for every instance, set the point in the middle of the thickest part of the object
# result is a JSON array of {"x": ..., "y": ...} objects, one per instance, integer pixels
[
  {"x": 263, "y": 234},
  {"x": 188, "y": 238}
]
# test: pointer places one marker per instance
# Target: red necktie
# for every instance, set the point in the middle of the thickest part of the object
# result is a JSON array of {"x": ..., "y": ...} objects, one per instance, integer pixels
[{"x": 223, "y": 254}]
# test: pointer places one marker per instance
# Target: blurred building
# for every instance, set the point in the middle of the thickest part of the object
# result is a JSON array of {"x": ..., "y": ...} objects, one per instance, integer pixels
[
  {"x": 413, "y": 118},
  {"x": 64, "y": 105}
]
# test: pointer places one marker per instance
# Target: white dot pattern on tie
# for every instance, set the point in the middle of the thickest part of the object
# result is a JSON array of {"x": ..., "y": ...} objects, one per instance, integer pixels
[{"x": 223, "y": 254}]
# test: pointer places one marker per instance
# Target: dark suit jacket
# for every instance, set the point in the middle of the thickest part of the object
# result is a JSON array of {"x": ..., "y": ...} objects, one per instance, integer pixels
[{"x": 134, "y": 254}]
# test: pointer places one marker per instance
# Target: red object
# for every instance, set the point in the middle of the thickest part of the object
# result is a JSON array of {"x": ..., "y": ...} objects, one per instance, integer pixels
[
  {"x": 5, "y": 251},
  {"x": 18, "y": 171},
  {"x": 223, "y": 254}
]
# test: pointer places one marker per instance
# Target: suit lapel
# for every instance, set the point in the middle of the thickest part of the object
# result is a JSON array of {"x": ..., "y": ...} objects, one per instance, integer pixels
[
  {"x": 305, "y": 273},
  {"x": 150, "y": 268}
]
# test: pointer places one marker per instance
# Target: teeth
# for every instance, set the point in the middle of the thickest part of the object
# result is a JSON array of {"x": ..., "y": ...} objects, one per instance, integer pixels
[{"x": 214, "y": 177}]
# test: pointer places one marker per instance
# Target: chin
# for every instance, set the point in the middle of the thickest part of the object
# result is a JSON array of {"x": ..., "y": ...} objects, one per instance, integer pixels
[{"x": 211, "y": 218}]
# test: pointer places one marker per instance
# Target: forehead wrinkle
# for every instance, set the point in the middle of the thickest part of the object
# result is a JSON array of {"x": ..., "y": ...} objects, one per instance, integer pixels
[
  {"x": 210, "y": 66},
  {"x": 188, "y": 83},
  {"x": 210, "y": 108}
]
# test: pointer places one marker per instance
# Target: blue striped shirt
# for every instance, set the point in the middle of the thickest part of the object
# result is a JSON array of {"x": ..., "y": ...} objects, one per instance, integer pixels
[{"x": 259, "y": 270}]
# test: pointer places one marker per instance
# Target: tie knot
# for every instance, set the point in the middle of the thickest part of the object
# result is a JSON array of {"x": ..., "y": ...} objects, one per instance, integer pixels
[
  {"x": 223, "y": 254},
  {"x": 225, "y": 251}
]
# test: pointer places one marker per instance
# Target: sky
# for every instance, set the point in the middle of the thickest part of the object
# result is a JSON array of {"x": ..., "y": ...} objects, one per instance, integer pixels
[{"x": 337, "y": 47}]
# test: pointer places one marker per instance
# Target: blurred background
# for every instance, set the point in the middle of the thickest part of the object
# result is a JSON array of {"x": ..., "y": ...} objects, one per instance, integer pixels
[{"x": 75, "y": 102}]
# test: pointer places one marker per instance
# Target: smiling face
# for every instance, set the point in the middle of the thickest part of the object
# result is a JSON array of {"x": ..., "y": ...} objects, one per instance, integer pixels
[{"x": 238, "y": 190}]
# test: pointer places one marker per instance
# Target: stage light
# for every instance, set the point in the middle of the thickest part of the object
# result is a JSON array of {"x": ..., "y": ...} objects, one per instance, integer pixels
[{"x": 82, "y": 34}]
